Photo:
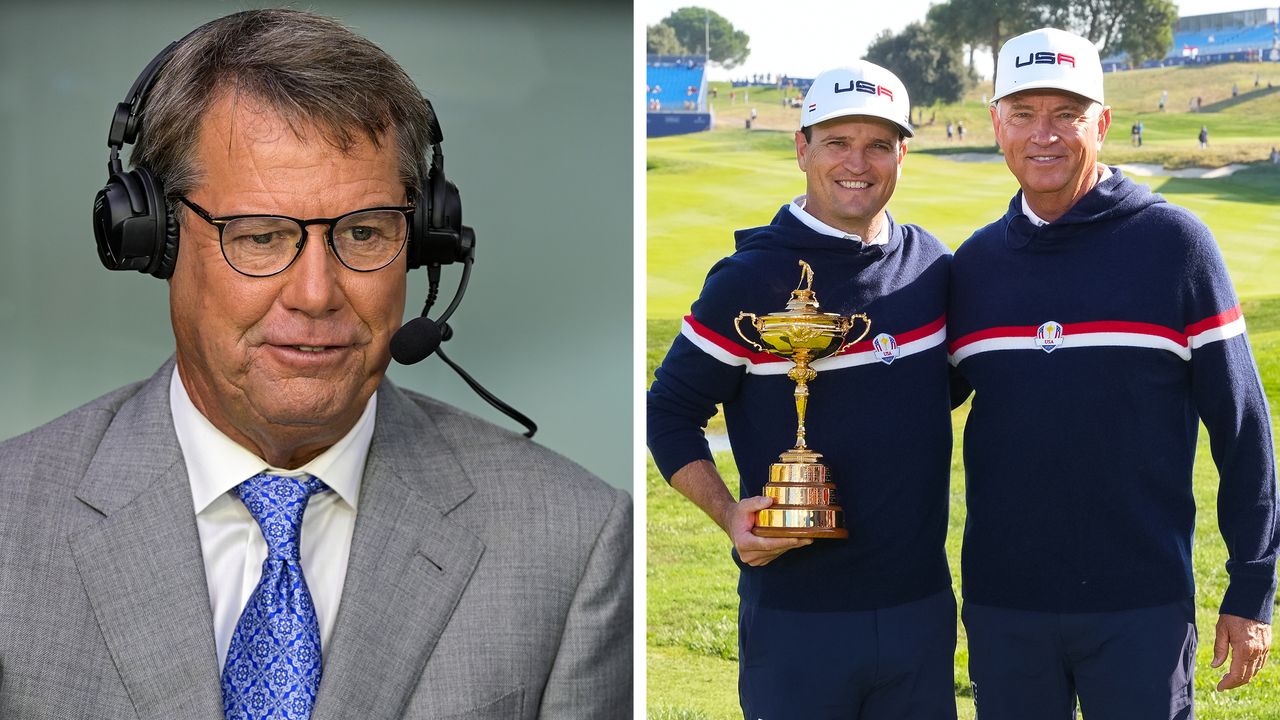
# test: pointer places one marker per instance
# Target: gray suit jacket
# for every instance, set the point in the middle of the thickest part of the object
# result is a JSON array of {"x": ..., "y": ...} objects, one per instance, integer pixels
[{"x": 488, "y": 577}]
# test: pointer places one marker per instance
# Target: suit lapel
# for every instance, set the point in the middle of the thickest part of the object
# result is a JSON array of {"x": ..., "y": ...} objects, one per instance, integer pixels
[
  {"x": 408, "y": 567},
  {"x": 141, "y": 566}
]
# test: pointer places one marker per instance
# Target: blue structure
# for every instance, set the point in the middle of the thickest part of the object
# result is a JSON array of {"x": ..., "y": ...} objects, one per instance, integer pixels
[
  {"x": 676, "y": 95},
  {"x": 1240, "y": 36},
  {"x": 676, "y": 123}
]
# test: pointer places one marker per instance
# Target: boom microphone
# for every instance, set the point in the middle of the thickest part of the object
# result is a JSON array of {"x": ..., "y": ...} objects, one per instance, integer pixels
[
  {"x": 418, "y": 338},
  {"x": 415, "y": 340}
]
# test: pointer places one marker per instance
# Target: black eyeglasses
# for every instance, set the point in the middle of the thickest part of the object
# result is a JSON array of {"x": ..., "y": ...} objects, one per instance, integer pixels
[{"x": 262, "y": 245}]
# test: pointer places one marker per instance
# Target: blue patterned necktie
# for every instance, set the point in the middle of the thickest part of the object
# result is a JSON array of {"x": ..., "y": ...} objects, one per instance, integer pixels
[{"x": 273, "y": 663}]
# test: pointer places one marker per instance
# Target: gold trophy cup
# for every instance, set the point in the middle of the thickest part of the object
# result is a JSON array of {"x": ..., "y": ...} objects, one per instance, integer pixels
[{"x": 803, "y": 496}]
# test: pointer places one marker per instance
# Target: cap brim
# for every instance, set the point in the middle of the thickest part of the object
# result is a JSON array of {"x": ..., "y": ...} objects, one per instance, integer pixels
[
  {"x": 846, "y": 112},
  {"x": 1046, "y": 85}
]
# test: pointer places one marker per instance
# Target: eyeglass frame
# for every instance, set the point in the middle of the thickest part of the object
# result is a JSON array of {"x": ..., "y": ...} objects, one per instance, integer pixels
[{"x": 329, "y": 223}]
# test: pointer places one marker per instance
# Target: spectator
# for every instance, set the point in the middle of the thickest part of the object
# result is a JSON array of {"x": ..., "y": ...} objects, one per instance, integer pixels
[
  {"x": 1235, "y": 90},
  {"x": 960, "y": 130},
  {"x": 950, "y": 127},
  {"x": 1164, "y": 98},
  {"x": 1135, "y": 135},
  {"x": 1204, "y": 137}
]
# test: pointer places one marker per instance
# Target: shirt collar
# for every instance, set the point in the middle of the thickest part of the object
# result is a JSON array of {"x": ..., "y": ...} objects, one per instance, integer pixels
[
  {"x": 216, "y": 463},
  {"x": 1038, "y": 221},
  {"x": 797, "y": 208}
]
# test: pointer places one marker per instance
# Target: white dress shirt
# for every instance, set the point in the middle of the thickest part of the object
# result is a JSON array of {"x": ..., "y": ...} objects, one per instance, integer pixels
[
  {"x": 230, "y": 539},
  {"x": 797, "y": 208}
]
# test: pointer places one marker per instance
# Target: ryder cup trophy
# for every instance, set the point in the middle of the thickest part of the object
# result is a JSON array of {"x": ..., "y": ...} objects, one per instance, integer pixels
[{"x": 803, "y": 496}]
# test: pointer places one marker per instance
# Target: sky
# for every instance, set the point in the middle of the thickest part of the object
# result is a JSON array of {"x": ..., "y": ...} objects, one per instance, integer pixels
[{"x": 804, "y": 37}]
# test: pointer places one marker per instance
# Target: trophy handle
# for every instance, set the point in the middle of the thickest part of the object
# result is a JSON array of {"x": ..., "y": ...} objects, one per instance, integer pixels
[
  {"x": 737, "y": 325},
  {"x": 866, "y": 328}
]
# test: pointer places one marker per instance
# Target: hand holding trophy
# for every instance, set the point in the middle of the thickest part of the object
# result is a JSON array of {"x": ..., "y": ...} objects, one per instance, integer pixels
[{"x": 803, "y": 496}]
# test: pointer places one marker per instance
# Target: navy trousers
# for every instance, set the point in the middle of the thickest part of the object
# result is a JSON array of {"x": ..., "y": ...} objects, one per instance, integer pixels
[
  {"x": 1123, "y": 665},
  {"x": 891, "y": 664}
]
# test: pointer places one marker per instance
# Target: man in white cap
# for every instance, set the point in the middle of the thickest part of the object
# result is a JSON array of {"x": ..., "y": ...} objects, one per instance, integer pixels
[
  {"x": 863, "y": 627},
  {"x": 1098, "y": 326}
]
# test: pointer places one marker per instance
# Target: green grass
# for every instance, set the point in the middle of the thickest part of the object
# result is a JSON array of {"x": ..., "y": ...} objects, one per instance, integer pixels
[
  {"x": 1169, "y": 137},
  {"x": 700, "y": 188}
]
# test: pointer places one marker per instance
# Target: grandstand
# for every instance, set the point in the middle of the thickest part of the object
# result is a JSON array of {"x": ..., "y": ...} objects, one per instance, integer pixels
[
  {"x": 676, "y": 94},
  {"x": 1239, "y": 36}
]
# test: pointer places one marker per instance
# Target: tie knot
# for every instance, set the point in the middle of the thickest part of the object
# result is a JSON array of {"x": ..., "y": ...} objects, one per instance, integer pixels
[{"x": 277, "y": 502}]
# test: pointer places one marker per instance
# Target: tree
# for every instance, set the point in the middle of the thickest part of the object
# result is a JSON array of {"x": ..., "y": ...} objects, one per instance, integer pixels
[
  {"x": 932, "y": 71},
  {"x": 947, "y": 24},
  {"x": 1141, "y": 28},
  {"x": 662, "y": 41},
  {"x": 693, "y": 25},
  {"x": 987, "y": 23}
]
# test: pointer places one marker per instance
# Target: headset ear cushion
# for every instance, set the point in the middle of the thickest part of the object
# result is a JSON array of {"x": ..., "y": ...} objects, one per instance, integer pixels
[
  {"x": 437, "y": 186},
  {"x": 418, "y": 229},
  {"x": 163, "y": 247},
  {"x": 169, "y": 251}
]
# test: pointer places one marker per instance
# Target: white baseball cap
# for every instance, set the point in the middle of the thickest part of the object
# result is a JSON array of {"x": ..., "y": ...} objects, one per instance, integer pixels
[
  {"x": 1049, "y": 58},
  {"x": 862, "y": 88}
]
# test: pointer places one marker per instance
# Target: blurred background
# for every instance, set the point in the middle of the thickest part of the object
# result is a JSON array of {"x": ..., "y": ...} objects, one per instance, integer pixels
[{"x": 536, "y": 109}]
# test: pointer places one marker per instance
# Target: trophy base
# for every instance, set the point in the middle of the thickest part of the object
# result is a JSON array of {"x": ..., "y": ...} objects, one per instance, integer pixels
[
  {"x": 802, "y": 502},
  {"x": 800, "y": 523}
]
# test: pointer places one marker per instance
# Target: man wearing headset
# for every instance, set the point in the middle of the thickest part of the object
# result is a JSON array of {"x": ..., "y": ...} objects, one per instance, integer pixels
[
  {"x": 831, "y": 628},
  {"x": 267, "y": 527},
  {"x": 1098, "y": 326}
]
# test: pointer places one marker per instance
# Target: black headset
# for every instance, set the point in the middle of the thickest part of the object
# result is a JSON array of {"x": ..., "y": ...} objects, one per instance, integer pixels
[{"x": 136, "y": 230}]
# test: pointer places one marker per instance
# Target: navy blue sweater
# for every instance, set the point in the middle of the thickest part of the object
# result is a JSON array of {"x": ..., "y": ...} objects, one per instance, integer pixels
[
  {"x": 883, "y": 427},
  {"x": 1094, "y": 345}
]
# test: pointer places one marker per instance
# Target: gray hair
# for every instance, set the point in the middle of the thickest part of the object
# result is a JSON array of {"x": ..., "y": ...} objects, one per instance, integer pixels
[{"x": 312, "y": 71}]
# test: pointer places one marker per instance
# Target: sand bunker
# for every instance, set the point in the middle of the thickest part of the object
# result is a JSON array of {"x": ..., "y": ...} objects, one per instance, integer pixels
[
  {"x": 1134, "y": 169},
  {"x": 974, "y": 157},
  {"x": 1143, "y": 169}
]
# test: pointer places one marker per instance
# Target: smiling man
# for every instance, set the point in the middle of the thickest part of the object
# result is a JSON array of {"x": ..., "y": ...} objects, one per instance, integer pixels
[
  {"x": 1098, "y": 326},
  {"x": 268, "y": 528},
  {"x": 863, "y": 627}
]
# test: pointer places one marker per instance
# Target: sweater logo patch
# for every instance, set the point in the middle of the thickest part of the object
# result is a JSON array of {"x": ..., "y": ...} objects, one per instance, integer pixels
[
  {"x": 885, "y": 348},
  {"x": 1049, "y": 336}
]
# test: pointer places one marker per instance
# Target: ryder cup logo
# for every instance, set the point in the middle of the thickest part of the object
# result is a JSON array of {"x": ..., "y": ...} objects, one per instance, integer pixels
[
  {"x": 1049, "y": 336},
  {"x": 885, "y": 348}
]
